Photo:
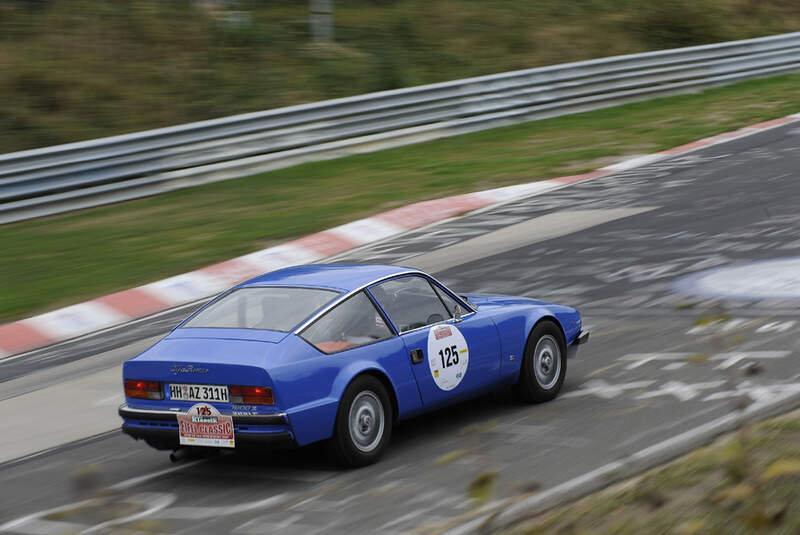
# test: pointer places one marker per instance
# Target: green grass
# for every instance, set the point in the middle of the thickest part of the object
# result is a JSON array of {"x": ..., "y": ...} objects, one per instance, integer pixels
[
  {"x": 748, "y": 482},
  {"x": 91, "y": 68},
  {"x": 65, "y": 259}
]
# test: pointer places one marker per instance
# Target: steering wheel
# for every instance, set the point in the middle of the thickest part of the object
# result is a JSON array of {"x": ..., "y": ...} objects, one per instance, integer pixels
[{"x": 434, "y": 318}]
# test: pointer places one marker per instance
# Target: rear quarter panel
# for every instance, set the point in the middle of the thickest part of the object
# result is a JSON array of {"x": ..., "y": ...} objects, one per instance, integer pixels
[{"x": 310, "y": 387}]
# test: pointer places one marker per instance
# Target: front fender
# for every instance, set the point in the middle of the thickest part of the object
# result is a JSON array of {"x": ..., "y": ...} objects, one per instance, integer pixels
[{"x": 515, "y": 325}]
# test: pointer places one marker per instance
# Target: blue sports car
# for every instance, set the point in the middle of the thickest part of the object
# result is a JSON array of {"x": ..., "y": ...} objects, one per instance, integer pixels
[{"x": 338, "y": 353}]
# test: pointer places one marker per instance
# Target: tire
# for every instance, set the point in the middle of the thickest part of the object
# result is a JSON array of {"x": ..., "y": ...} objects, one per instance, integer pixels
[
  {"x": 544, "y": 365},
  {"x": 363, "y": 423}
]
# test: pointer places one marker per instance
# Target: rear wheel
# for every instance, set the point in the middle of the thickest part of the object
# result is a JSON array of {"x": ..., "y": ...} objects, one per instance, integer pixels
[
  {"x": 363, "y": 423},
  {"x": 544, "y": 365}
]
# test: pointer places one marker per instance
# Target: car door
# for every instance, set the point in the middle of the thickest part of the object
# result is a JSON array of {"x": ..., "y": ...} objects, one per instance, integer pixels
[
  {"x": 451, "y": 358},
  {"x": 354, "y": 334}
]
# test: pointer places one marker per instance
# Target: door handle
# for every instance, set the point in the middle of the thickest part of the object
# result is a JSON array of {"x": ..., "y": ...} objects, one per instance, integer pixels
[{"x": 417, "y": 356}]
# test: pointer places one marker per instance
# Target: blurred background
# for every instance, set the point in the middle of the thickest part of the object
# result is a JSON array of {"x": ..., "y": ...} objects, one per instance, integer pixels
[
  {"x": 87, "y": 69},
  {"x": 73, "y": 70},
  {"x": 80, "y": 69}
]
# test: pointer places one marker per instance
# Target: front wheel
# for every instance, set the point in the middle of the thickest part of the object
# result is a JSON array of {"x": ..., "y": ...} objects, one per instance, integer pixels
[
  {"x": 363, "y": 423},
  {"x": 544, "y": 365}
]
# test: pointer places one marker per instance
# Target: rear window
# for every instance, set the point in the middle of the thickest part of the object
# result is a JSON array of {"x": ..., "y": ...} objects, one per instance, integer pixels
[{"x": 268, "y": 308}]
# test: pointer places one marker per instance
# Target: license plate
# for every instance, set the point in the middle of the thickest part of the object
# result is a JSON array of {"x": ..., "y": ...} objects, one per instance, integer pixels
[{"x": 182, "y": 392}]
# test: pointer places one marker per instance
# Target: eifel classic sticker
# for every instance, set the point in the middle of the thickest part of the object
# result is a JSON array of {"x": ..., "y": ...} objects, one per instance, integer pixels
[
  {"x": 448, "y": 356},
  {"x": 203, "y": 425}
]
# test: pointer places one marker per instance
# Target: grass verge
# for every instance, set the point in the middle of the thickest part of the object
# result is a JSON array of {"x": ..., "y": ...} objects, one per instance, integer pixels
[
  {"x": 65, "y": 259},
  {"x": 748, "y": 482}
]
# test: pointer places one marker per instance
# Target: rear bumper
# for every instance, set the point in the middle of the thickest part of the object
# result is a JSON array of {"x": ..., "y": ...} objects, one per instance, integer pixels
[
  {"x": 582, "y": 338},
  {"x": 127, "y": 412},
  {"x": 159, "y": 428}
]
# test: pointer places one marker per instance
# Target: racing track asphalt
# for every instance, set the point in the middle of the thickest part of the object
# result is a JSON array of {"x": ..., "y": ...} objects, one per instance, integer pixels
[{"x": 649, "y": 372}]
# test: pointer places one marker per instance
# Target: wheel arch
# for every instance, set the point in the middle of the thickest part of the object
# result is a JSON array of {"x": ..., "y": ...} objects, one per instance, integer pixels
[
  {"x": 355, "y": 370},
  {"x": 550, "y": 318},
  {"x": 528, "y": 388},
  {"x": 315, "y": 420},
  {"x": 342, "y": 445},
  {"x": 387, "y": 384}
]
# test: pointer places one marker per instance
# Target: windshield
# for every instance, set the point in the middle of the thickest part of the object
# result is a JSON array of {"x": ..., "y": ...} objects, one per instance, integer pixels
[{"x": 269, "y": 308}]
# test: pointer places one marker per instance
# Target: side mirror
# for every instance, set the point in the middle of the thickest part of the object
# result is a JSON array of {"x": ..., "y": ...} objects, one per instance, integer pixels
[{"x": 457, "y": 314}]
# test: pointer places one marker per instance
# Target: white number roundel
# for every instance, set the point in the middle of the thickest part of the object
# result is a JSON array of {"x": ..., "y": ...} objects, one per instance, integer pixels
[{"x": 448, "y": 356}]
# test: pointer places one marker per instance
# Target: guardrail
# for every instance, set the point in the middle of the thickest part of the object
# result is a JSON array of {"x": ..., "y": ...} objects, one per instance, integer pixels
[{"x": 56, "y": 179}]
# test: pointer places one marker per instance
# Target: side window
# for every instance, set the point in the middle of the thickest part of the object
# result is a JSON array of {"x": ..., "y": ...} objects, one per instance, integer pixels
[
  {"x": 356, "y": 322},
  {"x": 449, "y": 302},
  {"x": 410, "y": 302}
]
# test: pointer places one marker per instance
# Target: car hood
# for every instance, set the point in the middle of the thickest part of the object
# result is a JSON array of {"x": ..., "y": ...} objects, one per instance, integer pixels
[
  {"x": 504, "y": 305},
  {"x": 496, "y": 299}
]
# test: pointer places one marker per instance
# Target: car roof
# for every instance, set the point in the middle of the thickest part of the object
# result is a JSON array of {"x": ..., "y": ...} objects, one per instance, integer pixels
[{"x": 344, "y": 277}]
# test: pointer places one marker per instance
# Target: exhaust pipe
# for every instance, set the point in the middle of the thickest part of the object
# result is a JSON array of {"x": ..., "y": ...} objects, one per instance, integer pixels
[{"x": 178, "y": 455}]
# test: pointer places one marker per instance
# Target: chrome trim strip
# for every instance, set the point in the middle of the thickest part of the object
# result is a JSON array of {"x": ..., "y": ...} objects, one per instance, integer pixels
[
  {"x": 443, "y": 322},
  {"x": 453, "y": 295},
  {"x": 344, "y": 296},
  {"x": 278, "y": 418},
  {"x": 335, "y": 302},
  {"x": 152, "y": 413}
]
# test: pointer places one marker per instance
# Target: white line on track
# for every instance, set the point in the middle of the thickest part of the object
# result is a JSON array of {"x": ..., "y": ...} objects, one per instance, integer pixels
[
  {"x": 138, "y": 480},
  {"x": 35, "y": 519},
  {"x": 195, "y": 513},
  {"x": 13, "y": 525},
  {"x": 155, "y": 503}
]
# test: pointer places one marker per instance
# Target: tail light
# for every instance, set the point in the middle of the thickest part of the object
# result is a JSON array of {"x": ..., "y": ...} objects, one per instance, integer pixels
[
  {"x": 143, "y": 389},
  {"x": 251, "y": 395}
]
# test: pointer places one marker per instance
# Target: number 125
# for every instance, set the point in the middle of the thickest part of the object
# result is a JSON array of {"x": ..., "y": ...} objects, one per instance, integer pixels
[{"x": 449, "y": 356}]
